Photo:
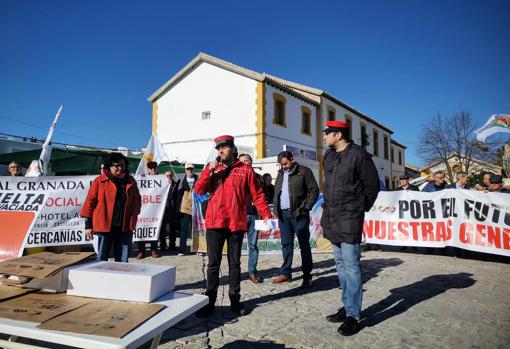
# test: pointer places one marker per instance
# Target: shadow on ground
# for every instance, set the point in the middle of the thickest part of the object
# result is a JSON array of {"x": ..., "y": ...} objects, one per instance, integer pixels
[
  {"x": 242, "y": 344},
  {"x": 323, "y": 280},
  {"x": 405, "y": 297}
]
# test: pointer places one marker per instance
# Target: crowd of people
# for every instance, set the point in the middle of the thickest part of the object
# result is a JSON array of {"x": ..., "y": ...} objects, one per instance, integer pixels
[
  {"x": 239, "y": 196},
  {"x": 491, "y": 183}
]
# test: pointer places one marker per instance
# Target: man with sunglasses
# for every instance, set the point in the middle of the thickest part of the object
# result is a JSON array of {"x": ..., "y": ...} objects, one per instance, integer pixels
[
  {"x": 437, "y": 184},
  {"x": 15, "y": 169}
]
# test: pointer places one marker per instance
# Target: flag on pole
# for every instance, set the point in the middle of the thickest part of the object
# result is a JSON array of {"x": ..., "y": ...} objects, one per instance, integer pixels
[
  {"x": 39, "y": 168},
  {"x": 496, "y": 123},
  {"x": 153, "y": 152}
]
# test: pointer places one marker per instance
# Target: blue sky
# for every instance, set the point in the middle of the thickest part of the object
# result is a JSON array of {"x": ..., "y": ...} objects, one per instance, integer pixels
[{"x": 401, "y": 62}]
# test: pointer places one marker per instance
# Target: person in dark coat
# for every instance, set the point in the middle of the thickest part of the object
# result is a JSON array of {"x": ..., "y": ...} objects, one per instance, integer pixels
[
  {"x": 405, "y": 185},
  {"x": 268, "y": 188},
  {"x": 351, "y": 186},
  {"x": 437, "y": 184},
  {"x": 185, "y": 215},
  {"x": 295, "y": 193},
  {"x": 462, "y": 180},
  {"x": 497, "y": 185},
  {"x": 170, "y": 218}
]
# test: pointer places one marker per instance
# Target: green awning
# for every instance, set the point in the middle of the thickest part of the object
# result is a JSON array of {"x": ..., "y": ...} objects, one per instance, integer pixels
[{"x": 69, "y": 162}]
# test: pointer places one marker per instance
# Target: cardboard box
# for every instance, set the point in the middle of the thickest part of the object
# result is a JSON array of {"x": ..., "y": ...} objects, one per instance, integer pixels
[
  {"x": 56, "y": 283},
  {"x": 121, "y": 281},
  {"x": 43, "y": 264}
]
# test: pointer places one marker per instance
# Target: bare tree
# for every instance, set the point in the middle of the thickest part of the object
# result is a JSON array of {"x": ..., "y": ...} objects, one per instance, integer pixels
[{"x": 445, "y": 137}]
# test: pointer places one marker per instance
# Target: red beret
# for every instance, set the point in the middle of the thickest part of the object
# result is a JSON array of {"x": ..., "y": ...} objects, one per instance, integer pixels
[
  {"x": 226, "y": 139},
  {"x": 337, "y": 124}
]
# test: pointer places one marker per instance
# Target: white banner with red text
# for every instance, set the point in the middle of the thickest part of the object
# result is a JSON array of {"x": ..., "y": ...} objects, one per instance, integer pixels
[
  {"x": 59, "y": 223},
  {"x": 466, "y": 219}
]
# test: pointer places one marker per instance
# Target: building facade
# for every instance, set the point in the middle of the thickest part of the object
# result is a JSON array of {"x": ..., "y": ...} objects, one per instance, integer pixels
[
  {"x": 266, "y": 114},
  {"x": 397, "y": 158}
]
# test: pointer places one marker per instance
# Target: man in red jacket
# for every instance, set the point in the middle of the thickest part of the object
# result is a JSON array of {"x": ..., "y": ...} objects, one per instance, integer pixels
[{"x": 231, "y": 183}]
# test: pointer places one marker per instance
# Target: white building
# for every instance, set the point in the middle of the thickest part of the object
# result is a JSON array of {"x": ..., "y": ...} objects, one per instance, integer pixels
[
  {"x": 398, "y": 168},
  {"x": 211, "y": 97}
]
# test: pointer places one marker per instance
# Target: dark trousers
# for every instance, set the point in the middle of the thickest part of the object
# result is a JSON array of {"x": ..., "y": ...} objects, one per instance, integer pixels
[
  {"x": 185, "y": 220},
  {"x": 141, "y": 245},
  {"x": 289, "y": 227},
  {"x": 168, "y": 228},
  {"x": 215, "y": 239}
]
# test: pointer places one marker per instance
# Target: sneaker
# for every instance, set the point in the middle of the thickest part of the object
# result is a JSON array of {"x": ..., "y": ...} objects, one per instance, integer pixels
[
  {"x": 181, "y": 254},
  {"x": 155, "y": 254},
  {"x": 349, "y": 327},
  {"x": 339, "y": 316}
]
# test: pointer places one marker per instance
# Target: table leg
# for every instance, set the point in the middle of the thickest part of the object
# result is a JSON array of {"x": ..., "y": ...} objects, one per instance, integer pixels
[{"x": 155, "y": 341}]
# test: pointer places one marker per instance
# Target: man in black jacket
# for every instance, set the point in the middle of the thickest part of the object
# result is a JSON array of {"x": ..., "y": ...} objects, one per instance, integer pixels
[
  {"x": 405, "y": 185},
  {"x": 169, "y": 222},
  {"x": 351, "y": 185},
  {"x": 296, "y": 191}
]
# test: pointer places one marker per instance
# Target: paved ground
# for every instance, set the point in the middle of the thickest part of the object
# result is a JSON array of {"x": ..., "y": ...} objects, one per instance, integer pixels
[{"x": 410, "y": 301}]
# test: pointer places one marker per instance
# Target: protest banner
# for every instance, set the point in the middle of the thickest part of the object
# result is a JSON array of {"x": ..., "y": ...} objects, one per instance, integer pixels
[
  {"x": 466, "y": 219},
  {"x": 18, "y": 213},
  {"x": 59, "y": 222}
]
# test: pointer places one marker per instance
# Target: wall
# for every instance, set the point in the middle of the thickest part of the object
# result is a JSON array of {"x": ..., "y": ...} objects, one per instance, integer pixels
[
  {"x": 277, "y": 136},
  {"x": 383, "y": 165},
  {"x": 397, "y": 169},
  {"x": 231, "y": 100}
]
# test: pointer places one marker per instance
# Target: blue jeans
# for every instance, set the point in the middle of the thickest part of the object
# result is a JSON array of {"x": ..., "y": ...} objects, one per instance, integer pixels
[
  {"x": 289, "y": 227},
  {"x": 253, "y": 249},
  {"x": 185, "y": 221},
  {"x": 121, "y": 242},
  {"x": 348, "y": 267}
]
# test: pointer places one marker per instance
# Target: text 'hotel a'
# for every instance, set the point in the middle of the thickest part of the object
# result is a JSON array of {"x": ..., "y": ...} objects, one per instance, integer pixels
[{"x": 211, "y": 97}]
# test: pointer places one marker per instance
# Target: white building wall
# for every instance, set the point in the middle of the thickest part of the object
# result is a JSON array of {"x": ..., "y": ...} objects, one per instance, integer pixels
[
  {"x": 229, "y": 97},
  {"x": 396, "y": 168},
  {"x": 383, "y": 166},
  {"x": 277, "y": 136}
]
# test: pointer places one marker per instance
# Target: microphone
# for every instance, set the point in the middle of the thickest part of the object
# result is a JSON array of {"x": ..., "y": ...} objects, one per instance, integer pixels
[{"x": 217, "y": 160}]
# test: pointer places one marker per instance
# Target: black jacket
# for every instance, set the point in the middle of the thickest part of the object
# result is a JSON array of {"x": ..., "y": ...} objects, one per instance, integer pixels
[
  {"x": 171, "y": 201},
  {"x": 303, "y": 190},
  {"x": 410, "y": 188},
  {"x": 351, "y": 186},
  {"x": 252, "y": 210}
]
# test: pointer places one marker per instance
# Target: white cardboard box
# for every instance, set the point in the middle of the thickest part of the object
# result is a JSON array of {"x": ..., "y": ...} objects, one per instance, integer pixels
[{"x": 122, "y": 281}]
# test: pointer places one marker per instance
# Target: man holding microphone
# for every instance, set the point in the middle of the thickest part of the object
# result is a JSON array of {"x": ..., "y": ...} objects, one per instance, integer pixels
[{"x": 231, "y": 184}]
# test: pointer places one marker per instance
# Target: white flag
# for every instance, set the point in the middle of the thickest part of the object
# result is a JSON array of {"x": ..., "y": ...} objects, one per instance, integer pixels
[
  {"x": 153, "y": 152},
  {"x": 496, "y": 123},
  {"x": 39, "y": 169}
]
